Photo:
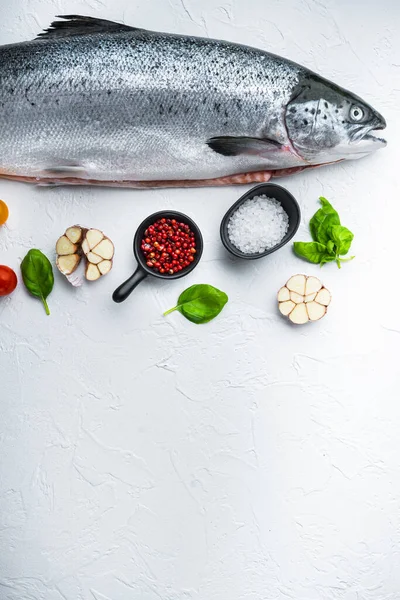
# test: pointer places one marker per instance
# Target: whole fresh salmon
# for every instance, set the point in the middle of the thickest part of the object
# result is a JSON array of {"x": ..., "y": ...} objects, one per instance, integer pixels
[{"x": 95, "y": 102}]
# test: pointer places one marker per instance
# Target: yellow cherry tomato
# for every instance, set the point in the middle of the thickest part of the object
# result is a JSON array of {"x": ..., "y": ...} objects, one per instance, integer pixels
[{"x": 3, "y": 212}]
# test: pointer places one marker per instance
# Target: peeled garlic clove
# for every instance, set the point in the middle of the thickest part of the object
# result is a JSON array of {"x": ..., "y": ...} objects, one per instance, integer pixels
[
  {"x": 296, "y": 298},
  {"x": 68, "y": 263},
  {"x": 313, "y": 285},
  {"x": 105, "y": 249},
  {"x": 64, "y": 246},
  {"x": 323, "y": 297},
  {"x": 297, "y": 284},
  {"x": 93, "y": 237},
  {"x": 74, "y": 234},
  {"x": 105, "y": 266},
  {"x": 92, "y": 272},
  {"x": 283, "y": 294},
  {"x": 315, "y": 311},
  {"x": 286, "y": 307},
  {"x": 299, "y": 314}
]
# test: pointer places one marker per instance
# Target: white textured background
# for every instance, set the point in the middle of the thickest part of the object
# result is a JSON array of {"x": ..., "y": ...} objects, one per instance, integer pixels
[{"x": 149, "y": 458}]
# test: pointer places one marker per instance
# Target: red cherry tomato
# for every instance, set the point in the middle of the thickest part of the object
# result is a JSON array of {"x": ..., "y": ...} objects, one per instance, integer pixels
[{"x": 8, "y": 280}]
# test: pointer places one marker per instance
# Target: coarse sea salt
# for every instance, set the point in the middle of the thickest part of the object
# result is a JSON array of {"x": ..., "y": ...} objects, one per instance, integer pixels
[{"x": 259, "y": 224}]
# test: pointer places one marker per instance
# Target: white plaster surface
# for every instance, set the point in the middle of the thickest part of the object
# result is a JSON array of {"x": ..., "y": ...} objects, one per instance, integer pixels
[{"x": 147, "y": 458}]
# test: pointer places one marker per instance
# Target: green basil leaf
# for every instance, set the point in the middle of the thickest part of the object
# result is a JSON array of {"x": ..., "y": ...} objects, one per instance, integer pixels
[
  {"x": 330, "y": 246},
  {"x": 325, "y": 218},
  {"x": 37, "y": 274},
  {"x": 314, "y": 252},
  {"x": 200, "y": 303},
  {"x": 342, "y": 237},
  {"x": 324, "y": 230},
  {"x": 327, "y": 206},
  {"x": 331, "y": 239},
  {"x": 328, "y": 258}
]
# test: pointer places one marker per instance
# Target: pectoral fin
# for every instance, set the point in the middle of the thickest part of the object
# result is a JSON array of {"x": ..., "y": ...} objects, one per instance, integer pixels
[
  {"x": 66, "y": 171},
  {"x": 233, "y": 146}
]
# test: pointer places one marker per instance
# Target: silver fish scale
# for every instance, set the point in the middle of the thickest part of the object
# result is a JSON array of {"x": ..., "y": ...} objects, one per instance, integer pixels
[{"x": 138, "y": 105}]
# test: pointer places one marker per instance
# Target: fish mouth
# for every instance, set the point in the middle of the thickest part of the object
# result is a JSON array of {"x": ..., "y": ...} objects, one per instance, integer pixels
[
  {"x": 374, "y": 138},
  {"x": 368, "y": 134},
  {"x": 367, "y": 142}
]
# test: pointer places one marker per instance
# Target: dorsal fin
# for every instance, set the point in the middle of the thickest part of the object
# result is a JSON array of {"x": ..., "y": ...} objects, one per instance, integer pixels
[{"x": 81, "y": 25}]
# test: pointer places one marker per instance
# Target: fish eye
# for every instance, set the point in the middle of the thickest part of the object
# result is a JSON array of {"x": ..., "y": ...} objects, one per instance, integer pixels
[{"x": 356, "y": 113}]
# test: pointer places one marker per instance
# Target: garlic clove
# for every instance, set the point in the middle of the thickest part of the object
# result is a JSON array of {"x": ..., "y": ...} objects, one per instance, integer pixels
[
  {"x": 68, "y": 263},
  {"x": 93, "y": 237},
  {"x": 105, "y": 249},
  {"x": 283, "y": 294},
  {"x": 323, "y": 297},
  {"x": 299, "y": 314},
  {"x": 92, "y": 272},
  {"x": 85, "y": 247},
  {"x": 105, "y": 266},
  {"x": 315, "y": 311},
  {"x": 64, "y": 246},
  {"x": 286, "y": 307},
  {"x": 313, "y": 285},
  {"x": 297, "y": 284},
  {"x": 74, "y": 234},
  {"x": 93, "y": 258}
]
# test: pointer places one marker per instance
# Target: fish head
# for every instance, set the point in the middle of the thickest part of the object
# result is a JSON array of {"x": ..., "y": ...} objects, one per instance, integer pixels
[{"x": 326, "y": 123}]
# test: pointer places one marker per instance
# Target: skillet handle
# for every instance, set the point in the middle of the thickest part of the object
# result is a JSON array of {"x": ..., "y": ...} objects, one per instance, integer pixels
[{"x": 126, "y": 288}]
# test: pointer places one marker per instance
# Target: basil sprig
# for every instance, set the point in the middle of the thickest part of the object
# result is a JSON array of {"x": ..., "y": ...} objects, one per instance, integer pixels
[
  {"x": 200, "y": 303},
  {"x": 331, "y": 239},
  {"x": 37, "y": 274}
]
